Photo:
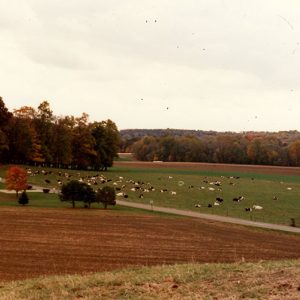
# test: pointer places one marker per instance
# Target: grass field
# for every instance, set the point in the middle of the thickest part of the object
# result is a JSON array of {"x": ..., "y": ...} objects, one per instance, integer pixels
[
  {"x": 193, "y": 187},
  {"x": 265, "y": 280}
]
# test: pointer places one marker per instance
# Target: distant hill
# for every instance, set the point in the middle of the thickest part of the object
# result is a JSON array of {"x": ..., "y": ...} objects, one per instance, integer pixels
[
  {"x": 128, "y": 134},
  {"x": 249, "y": 147},
  {"x": 138, "y": 133}
]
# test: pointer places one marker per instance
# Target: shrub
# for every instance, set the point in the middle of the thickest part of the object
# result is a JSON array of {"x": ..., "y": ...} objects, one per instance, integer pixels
[{"x": 23, "y": 199}]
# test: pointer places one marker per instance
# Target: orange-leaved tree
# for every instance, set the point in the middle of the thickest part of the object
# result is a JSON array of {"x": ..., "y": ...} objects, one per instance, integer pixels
[{"x": 16, "y": 179}]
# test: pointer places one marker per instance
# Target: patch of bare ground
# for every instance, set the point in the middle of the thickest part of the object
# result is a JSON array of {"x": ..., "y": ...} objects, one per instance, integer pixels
[
  {"x": 38, "y": 242},
  {"x": 276, "y": 170}
]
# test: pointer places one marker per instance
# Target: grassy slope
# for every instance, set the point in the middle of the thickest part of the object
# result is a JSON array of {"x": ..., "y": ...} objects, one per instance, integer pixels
[
  {"x": 259, "y": 191},
  {"x": 264, "y": 280}
]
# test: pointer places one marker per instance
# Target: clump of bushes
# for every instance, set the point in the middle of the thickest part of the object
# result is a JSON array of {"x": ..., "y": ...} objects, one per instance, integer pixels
[
  {"x": 23, "y": 199},
  {"x": 79, "y": 191}
]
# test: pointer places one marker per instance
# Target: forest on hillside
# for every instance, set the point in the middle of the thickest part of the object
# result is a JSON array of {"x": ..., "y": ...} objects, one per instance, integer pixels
[
  {"x": 37, "y": 136},
  {"x": 264, "y": 148}
]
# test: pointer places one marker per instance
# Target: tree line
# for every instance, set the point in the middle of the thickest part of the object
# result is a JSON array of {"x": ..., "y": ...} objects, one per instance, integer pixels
[
  {"x": 236, "y": 148},
  {"x": 37, "y": 136}
]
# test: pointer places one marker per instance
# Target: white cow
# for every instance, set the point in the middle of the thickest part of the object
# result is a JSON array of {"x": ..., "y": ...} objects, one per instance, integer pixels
[{"x": 257, "y": 207}]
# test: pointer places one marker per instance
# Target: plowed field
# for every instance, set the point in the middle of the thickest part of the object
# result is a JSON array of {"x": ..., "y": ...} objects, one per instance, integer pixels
[{"x": 37, "y": 242}]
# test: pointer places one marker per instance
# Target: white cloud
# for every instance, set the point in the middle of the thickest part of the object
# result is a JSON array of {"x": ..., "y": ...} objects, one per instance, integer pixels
[{"x": 216, "y": 64}]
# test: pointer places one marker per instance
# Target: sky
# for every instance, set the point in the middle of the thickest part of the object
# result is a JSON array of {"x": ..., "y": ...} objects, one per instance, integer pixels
[{"x": 225, "y": 65}]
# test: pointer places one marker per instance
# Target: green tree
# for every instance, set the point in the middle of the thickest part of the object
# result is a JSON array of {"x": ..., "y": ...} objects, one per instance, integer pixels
[
  {"x": 106, "y": 196},
  {"x": 83, "y": 143},
  {"x": 5, "y": 116},
  {"x": 107, "y": 141},
  {"x": 77, "y": 191},
  {"x": 61, "y": 143},
  {"x": 43, "y": 126}
]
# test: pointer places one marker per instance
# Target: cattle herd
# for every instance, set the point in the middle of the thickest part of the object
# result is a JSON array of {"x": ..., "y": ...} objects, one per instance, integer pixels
[{"x": 141, "y": 188}]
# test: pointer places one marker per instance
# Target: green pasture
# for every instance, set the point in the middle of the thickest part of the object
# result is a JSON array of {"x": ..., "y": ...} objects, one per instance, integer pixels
[
  {"x": 191, "y": 187},
  {"x": 42, "y": 200}
]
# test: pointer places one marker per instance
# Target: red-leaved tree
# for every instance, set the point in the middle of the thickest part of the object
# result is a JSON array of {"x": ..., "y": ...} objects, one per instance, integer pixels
[{"x": 16, "y": 179}]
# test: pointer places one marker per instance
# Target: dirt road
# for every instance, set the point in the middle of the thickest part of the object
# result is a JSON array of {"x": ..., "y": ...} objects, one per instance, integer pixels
[{"x": 209, "y": 217}]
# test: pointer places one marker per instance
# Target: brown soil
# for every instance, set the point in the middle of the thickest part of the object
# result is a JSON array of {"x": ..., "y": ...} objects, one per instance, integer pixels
[
  {"x": 37, "y": 242},
  {"x": 276, "y": 170}
]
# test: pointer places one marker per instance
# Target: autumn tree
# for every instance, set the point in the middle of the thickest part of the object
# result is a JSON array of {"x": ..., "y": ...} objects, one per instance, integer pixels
[
  {"x": 146, "y": 149},
  {"x": 22, "y": 137},
  {"x": 16, "y": 179},
  {"x": 294, "y": 153},
  {"x": 83, "y": 143}
]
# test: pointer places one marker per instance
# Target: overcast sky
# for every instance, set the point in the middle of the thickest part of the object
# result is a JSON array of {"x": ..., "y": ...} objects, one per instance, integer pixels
[{"x": 195, "y": 64}]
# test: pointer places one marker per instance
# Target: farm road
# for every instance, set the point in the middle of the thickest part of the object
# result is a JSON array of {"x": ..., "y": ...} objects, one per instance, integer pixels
[
  {"x": 197, "y": 215},
  {"x": 209, "y": 217}
]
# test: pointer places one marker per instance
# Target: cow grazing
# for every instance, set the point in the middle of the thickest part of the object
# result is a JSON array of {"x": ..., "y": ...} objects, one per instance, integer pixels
[
  {"x": 47, "y": 181},
  {"x": 198, "y": 205},
  {"x": 219, "y": 199},
  {"x": 238, "y": 199},
  {"x": 173, "y": 193},
  {"x": 248, "y": 209}
]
